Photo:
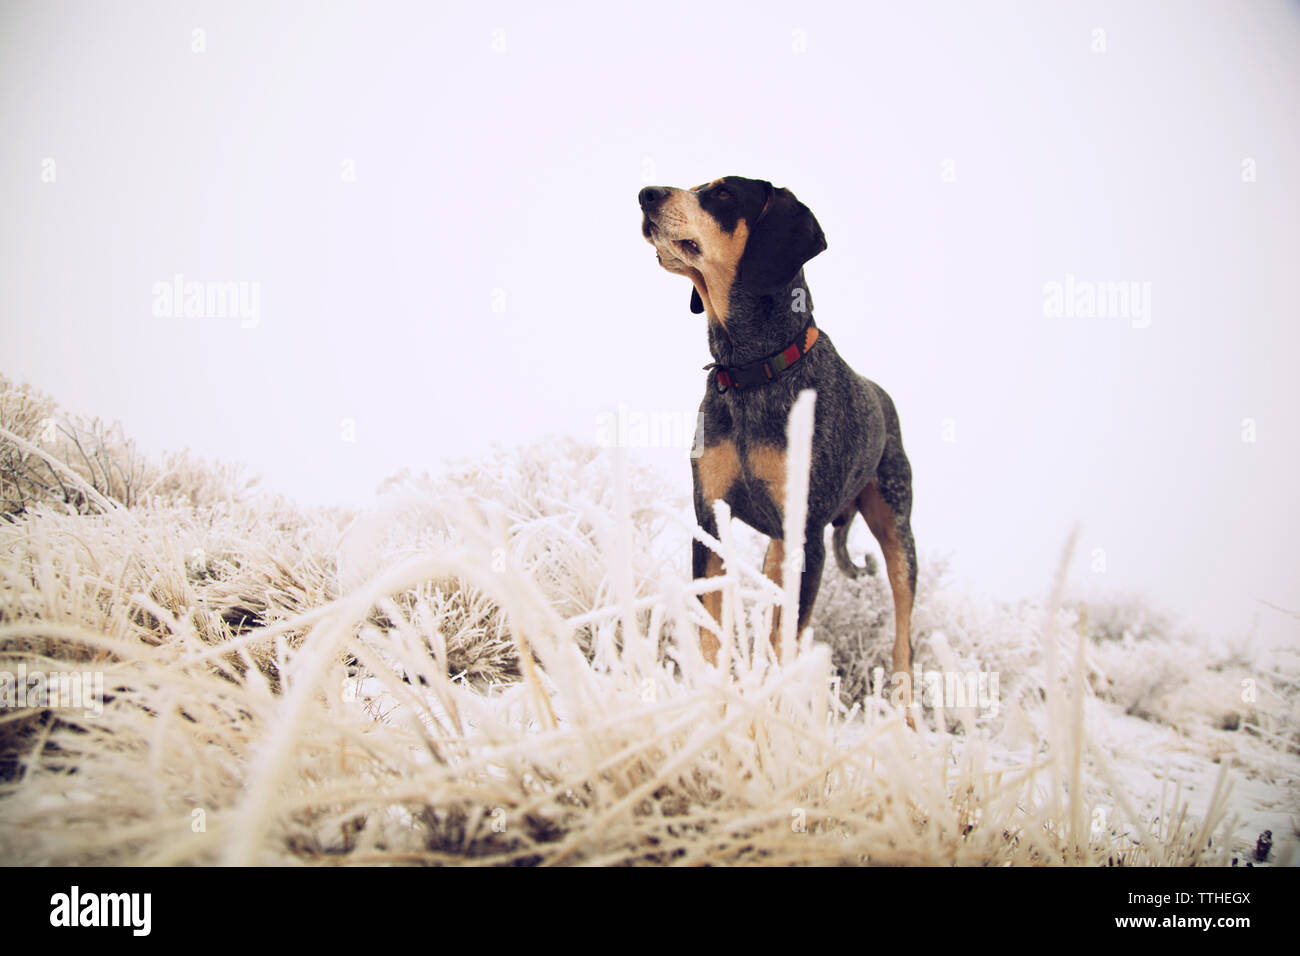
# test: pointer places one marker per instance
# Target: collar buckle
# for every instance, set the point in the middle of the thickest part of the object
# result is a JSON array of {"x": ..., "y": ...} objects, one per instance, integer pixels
[{"x": 764, "y": 370}]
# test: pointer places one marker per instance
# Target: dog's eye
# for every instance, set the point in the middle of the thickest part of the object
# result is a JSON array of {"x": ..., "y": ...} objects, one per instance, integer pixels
[
  {"x": 722, "y": 194},
  {"x": 690, "y": 245}
]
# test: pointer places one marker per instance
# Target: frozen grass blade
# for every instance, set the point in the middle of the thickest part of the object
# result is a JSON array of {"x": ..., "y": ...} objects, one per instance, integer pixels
[
  {"x": 426, "y": 684},
  {"x": 798, "y": 463}
]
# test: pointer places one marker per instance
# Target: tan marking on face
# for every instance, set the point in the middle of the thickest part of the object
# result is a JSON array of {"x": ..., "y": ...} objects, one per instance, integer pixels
[
  {"x": 767, "y": 464},
  {"x": 713, "y": 271},
  {"x": 721, "y": 255},
  {"x": 719, "y": 466}
]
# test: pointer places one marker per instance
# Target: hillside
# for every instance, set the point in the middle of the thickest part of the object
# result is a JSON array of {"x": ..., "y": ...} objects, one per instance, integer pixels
[{"x": 498, "y": 665}]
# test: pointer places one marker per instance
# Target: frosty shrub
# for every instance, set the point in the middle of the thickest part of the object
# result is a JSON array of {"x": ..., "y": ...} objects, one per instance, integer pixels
[{"x": 500, "y": 665}]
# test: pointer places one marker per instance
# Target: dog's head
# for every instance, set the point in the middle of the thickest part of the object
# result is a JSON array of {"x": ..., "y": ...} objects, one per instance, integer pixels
[{"x": 730, "y": 233}]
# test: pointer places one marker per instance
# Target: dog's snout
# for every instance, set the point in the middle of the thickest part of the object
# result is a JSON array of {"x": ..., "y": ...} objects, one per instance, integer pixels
[{"x": 651, "y": 196}]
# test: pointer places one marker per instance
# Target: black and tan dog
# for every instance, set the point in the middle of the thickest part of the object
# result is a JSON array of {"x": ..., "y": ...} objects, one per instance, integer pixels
[{"x": 743, "y": 245}]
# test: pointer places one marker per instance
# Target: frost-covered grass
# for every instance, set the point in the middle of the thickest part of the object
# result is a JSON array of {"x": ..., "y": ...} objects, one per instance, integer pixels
[{"x": 501, "y": 665}]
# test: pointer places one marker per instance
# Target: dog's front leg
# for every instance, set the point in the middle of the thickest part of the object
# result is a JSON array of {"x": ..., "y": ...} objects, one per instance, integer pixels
[
  {"x": 713, "y": 473},
  {"x": 814, "y": 559},
  {"x": 706, "y": 564}
]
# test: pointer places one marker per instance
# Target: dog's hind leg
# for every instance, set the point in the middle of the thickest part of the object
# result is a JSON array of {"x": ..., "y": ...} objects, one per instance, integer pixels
[{"x": 886, "y": 504}]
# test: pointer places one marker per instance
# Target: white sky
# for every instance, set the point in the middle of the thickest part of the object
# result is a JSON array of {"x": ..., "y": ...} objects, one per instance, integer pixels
[{"x": 517, "y": 170}]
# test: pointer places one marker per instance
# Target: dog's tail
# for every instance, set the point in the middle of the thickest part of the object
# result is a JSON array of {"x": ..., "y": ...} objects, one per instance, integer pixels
[{"x": 841, "y": 541}]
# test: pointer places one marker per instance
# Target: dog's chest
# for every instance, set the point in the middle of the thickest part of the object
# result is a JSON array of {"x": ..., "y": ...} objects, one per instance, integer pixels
[
  {"x": 755, "y": 418},
  {"x": 743, "y": 461}
]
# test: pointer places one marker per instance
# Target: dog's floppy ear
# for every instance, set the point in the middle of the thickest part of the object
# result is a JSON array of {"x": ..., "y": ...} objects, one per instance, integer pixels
[
  {"x": 781, "y": 240},
  {"x": 697, "y": 304}
]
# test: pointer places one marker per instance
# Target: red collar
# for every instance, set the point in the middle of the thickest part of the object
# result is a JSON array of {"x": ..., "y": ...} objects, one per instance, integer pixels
[{"x": 766, "y": 369}]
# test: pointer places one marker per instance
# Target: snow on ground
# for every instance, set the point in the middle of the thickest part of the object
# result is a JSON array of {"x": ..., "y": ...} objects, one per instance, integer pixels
[{"x": 501, "y": 665}]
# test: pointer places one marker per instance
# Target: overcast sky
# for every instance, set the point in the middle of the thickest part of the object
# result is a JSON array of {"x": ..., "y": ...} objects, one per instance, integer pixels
[{"x": 433, "y": 210}]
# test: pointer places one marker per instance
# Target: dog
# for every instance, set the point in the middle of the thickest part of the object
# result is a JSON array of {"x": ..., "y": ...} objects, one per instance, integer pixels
[{"x": 743, "y": 243}]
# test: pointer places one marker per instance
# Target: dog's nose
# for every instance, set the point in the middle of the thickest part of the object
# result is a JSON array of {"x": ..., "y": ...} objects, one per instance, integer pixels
[{"x": 651, "y": 196}]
